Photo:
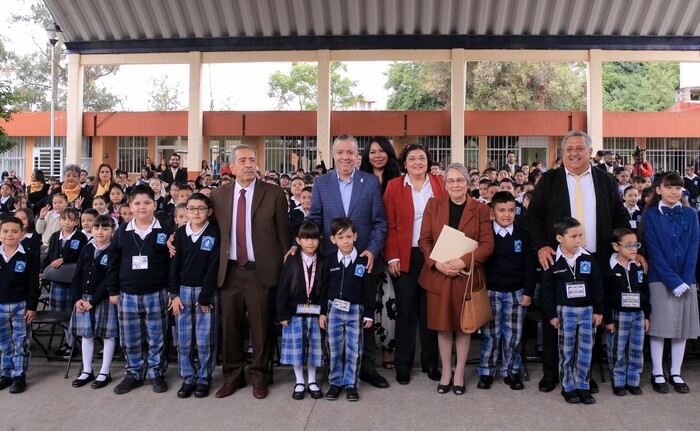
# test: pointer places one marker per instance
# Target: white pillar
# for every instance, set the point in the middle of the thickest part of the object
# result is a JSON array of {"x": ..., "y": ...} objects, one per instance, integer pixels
[
  {"x": 195, "y": 141},
  {"x": 74, "y": 114},
  {"x": 594, "y": 89},
  {"x": 323, "y": 113},
  {"x": 458, "y": 97}
]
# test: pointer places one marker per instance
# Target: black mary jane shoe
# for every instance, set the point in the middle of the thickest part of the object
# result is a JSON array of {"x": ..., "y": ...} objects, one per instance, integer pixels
[
  {"x": 79, "y": 383},
  {"x": 299, "y": 394},
  {"x": 681, "y": 388},
  {"x": 662, "y": 387},
  {"x": 315, "y": 393},
  {"x": 99, "y": 384}
]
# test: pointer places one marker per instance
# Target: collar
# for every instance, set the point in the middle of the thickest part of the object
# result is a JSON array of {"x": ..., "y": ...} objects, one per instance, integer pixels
[
  {"x": 94, "y": 244},
  {"x": 692, "y": 177},
  {"x": 353, "y": 256},
  {"x": 407, "y": 181},
  {"x": 352, "y": 176},
  {"x": 29, "y": 235},
  {"x": 5, "y": 199},
  {"x": 662, "y": 204},
  {"x": 155, "y": 224},
  {"x": 308, "y": 260},
  {"x": 497, "y": 228},
  {"x": 581, "y": 251},
  {"x": 8, "y": 258},
  {"x": 614, "y": 262},
  {"x": 633, "y": 209},
  {"x": 63, "y": 238},
  {"x": 56, "y": 215},
  {"x": 248, "y": 190},
  {"x": 174, "y": 169},
  {"x": 195, "y": 235},
  {"x": 587, "y": 171}
]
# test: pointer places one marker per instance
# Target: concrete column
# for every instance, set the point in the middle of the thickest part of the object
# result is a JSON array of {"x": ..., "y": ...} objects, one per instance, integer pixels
[
  {"x": 74, "y": 114},
  {"x": 195, "y": 116},
  {"x": 458, "y": 97},
  {"x": 323, "y": 113},
  {"x": 594, "y": 87}
]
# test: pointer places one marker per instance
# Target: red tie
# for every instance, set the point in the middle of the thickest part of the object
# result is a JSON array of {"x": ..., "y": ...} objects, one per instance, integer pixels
[{"x": 241, "y": 243}]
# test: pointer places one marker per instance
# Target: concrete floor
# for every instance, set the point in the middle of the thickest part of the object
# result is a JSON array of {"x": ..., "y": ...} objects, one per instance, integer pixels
[{"x": 50, "y": 403}]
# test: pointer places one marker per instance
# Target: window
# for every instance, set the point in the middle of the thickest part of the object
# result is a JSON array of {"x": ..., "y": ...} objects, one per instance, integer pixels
[
  {"x": 285, "y": 154},
  {"x": 220, "y": 148},
  {"x": 471, "y": 150},
  {"x": 132, "y": 152},
  {"x": 497, "y": 148},
  {"x": 13, "y": 159},
  {"x": 672, "y": 154},
  {"x": 623, "y": 148},
  {"x": 86, "y": 154},
  {"x": 167, "y": 145},
  {"x": 42, "y": 157},
  {"x": 439, "y": 147}
]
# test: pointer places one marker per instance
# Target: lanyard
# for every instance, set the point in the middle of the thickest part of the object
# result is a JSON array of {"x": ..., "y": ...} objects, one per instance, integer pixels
[
  {"x": 309, "y": 279},
  {"x": 572, "y": 269},
  {"x": 137, "y": 243}
]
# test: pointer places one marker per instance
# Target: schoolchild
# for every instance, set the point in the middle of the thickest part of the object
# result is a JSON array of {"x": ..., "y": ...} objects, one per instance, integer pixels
[
  {"x": 49, "y": 220},
  {"x": 87, "y": 221},
  {"x": 630, "y": 198},
  {"x": 31, "y": 241}
]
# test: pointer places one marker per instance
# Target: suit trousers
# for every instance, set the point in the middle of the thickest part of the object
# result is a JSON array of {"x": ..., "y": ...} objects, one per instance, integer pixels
[
  {"x": 242, "y": 292},
  {"x": 369, "y": 353}
]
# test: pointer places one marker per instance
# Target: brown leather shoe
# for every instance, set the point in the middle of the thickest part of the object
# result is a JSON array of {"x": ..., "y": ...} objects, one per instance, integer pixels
[
  {"x": 227, "y": 390},
  {"x": 259, "y": 391}
]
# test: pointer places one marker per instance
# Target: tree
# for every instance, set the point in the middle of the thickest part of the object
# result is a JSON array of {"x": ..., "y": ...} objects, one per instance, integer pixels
[
  {"x": 639, "y": 86},
  {"x": 164, "y": 95},
  {"x": 299, "y": 88},
  {"x": 7, "y": 102}
]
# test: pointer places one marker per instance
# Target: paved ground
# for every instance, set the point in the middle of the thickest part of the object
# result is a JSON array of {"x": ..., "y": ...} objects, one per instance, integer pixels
[{"x": 50, "y": 403}]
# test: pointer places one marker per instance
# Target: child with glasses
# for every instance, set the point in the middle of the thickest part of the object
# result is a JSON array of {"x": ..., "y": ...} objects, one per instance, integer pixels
[{"x": 626, "y": 314}]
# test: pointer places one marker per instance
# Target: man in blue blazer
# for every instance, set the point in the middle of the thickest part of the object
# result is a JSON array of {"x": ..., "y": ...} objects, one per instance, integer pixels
[{"x": 349, "y": 192}]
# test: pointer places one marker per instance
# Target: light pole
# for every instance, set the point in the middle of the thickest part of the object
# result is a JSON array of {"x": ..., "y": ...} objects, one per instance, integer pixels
[{"x": 53, "y": 31}]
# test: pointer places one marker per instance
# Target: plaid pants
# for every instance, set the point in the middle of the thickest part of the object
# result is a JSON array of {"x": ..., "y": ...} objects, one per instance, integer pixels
[
  {"x": 15, "y": 339},
  {"x": 502, "y": 334},
  {"x": 142, "y": 318},
  {"x": 576, "y": 336},
  {"x": 625, "y": 345},
  {"x": 198, "y": 328},
  {"x": 345, "y": 337},
  {"x": 301, "y": 342}
]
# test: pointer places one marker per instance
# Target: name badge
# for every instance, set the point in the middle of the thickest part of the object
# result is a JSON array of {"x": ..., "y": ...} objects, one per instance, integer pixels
[
  {"x": 584, "y": 267},
  {"x": 633, "y": 224},
  {"x": 139, "y": 262},
  {"x": 360, "y": 270},
  {"x": 207, "y": 243},
  {"x": 313, "y": 309},
  {"x": 341, "y": 305},
  {"x": 640, "y": 276},
  {"x": 518, "y": 210},
  {"x": 103, "y": 261},
  {"x": 161, "y": 238},
  {"x": 518, "y": 245},
  {"x": 575, "y": 289},
  {"x": 630, "y": 300},
  {"x": 20, "y": 266},
  {"x": 74, "y": 244}
]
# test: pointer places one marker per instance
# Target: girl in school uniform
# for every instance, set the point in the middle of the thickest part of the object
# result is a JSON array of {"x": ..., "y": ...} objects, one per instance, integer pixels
[
  {"x": 298, "y": 309},
  {"x": 671, "y": 233},
  {"x": 116, "y": 198},
  {"x": 31, "y": 241},
  {"x": 93, "y": 314}
]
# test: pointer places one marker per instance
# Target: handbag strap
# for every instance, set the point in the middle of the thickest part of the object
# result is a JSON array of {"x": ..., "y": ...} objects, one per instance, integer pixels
[{"x": 470, "y": 281}]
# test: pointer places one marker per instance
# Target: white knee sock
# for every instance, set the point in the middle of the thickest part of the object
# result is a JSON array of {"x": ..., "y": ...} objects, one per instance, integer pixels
[
  {"x": 312, "y": 374},
  {"x": 107, "y": 354},
  {"x": 677, "y": 353},
  {"x": 656, "y": 345},
  {"x": 88, "y": 346},
  {"x": 299, "y": 373}
]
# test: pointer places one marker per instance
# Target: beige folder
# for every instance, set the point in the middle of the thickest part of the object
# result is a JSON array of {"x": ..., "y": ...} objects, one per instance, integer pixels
[{"x": 452, "y": 244}]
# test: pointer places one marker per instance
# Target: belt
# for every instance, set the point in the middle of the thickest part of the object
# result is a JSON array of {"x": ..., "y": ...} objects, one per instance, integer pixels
[{"x": 247, "y": 266}]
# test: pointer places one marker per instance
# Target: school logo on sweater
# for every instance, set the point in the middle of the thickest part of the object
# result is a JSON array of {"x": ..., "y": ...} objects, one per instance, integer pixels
[
  {"x": 518, "y": 244},
  {"x": 103, "y": 261},
  {"x": 585, "y": 267},
  {"x": 20, "y": 266},
  {"x": 161, "y": 238},
  {"x": 360, "y": 270},
  {"x": 640, "y": 276},
  {"x": 207, "y": 243},
  {"x": 74, "y": 244}
]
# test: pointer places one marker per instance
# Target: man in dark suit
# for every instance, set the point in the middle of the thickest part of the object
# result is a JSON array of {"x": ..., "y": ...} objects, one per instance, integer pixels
[
  {"x": 175, "y": 174},
  {"x": 255, "y": 233},
  {"x": 608, "y": 164},
  {"x": 349, "y": 192},
  {"x": 513, "y": 166},
  {"x": 596, "y": 205}
]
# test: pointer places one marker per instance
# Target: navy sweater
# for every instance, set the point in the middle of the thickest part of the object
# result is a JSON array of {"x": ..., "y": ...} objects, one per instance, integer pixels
[
  {"x": 125, "y": 245},
  {"x": 356, "y": 290},
  {"x": 90, "y": 275},
  {"x": 19, "y": 279},
  {"x": 513, "y": 263},
  {"x": 291, "y": 289},
  {"x": 554, "y": 286},
  {"x": 616, "y": 282},
  {"x": 32, "y": 245},
  {"x": 69, "y": 251},
  {"x": 196, "y": 263}
]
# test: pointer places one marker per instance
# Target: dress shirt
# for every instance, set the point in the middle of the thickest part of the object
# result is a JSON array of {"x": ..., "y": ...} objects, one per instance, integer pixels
[
  {"x": 155, "y": 224},
  {"x": 502, "y": 231},
  {"x": 420, "y": 200},
  {"x": 248, "y": 220},
  {"x": 346, "y": 191},
  {"x": 589, "y": 204}
]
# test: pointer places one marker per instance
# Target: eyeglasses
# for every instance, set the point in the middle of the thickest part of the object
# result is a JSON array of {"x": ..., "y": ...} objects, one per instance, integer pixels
[
  {"x": 199, "y": 210},
  {"x": 458, "y": 181},
  {"x": 633, "y": 246}
]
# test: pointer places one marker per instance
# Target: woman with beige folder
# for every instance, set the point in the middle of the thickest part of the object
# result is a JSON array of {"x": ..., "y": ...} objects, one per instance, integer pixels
[{"x": 444, "y": 281}]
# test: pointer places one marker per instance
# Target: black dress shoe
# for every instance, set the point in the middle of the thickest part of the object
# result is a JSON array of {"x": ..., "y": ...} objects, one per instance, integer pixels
[
  {"x": 662, "y": 387},
  {"x": 634, "y": 390},
  {"x": 159, "y": 385},
  {"x": 299, "y": 391},
  {"x": 79, "y": 383},
  {"x": 403, "y": 378},
  {"x": 514, "y": 382},
  {"x": 681, "y": 388},
  {"x": 374, "y": 379},
  {"x": 585, "y": 396},
  {"x": 5, "y": 382},
  {"x": 571, "y": 397},
  {"x": 593, "y": 386},
  {"x": 315, "y": 393},
  {"x": 185, "y": 390},
  {"x": 99, "y": 384},
  {"x": 485, "y": 382},
  {"x": 333, "y": 392},
  {"x": 433, "y": 373},
  {"x": 19, "y": 384},
  {"x": 351, "y": 394},
  {"x": 619, "y": 391},
  {"x": 201, "y": 390},
  {"x": 548, "y": 384}
]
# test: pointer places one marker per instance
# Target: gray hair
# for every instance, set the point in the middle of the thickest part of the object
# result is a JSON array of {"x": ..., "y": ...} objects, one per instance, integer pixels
[
  {"x": 242, "y": 147},
  {"x": 458, "y": 166},
  {"x": 72, "y": 168},
  {"x": 345, "y": 138},
  {"x": 586, "y": 137}
]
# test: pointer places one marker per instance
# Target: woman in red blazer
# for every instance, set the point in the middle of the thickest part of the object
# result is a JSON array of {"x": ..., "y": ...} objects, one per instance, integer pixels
[{"x": 404, "y": 201}]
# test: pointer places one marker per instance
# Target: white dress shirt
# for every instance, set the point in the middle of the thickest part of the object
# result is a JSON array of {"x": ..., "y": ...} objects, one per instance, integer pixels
[
  {"x": 572, "y": 261},
  {"x": 6, "y": 257},
  {"x": 194, "y": 236},
  {"x": 420, "y": 200},
  {"x": 502, "y": 231},
  {"x": 248, "y": 220},
  {"x": 589, "y": 204},
  {"x": 155, "y": 224},
  {"x": 347, "y": 260}
]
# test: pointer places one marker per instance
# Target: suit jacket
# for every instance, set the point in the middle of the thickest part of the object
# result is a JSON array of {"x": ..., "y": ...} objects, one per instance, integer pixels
[
  {"x": 180, "y": 176},
  {"x": 550, "y": 202},
  {"x": 475, "y": 223},
  {"x": 366, "y": 210},
  {"x": 270, "y": 229},
  {"x": 398, "y": 203}
]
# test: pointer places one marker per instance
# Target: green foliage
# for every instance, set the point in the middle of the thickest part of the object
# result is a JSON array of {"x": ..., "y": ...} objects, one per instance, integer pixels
[
  {"x": 7, "y": 102},
  {"x": 639, "y": 86},
  {"x": 418, "y": 86},
  {"x": 299, "y": 88},
  {"x": 164, "y": 95}
]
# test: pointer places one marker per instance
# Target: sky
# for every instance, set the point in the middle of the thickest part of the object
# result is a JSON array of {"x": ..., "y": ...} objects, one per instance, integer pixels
[{"x": 231, "y": 86}]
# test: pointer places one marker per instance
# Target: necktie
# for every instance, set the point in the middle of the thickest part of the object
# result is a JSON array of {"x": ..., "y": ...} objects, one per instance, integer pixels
[
  {"x": 241, "y": 241},
  {"x": 578, "y": 205}
]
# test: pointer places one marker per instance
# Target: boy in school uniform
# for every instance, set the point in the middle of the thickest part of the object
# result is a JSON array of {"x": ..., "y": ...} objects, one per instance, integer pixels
[
  {"x": 137, "y": 279},
  {"x": 572, "y": 302},
  {"x": 19, "y": 296},
  {"x": 510, "y": 275},
  {"x": 347, "y": 307}
]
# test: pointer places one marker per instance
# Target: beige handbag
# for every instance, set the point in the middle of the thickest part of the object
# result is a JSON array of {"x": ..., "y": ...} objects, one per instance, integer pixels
[{"x": 476, "y": 308}]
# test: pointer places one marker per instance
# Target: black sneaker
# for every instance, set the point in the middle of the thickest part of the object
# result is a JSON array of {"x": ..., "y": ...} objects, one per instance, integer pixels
[
  {"x": 5, "y": 382},
  {"x": 159, "y": 385},
  {"x": 127, "y": 385},
  {"x": 19, "y": 384}
]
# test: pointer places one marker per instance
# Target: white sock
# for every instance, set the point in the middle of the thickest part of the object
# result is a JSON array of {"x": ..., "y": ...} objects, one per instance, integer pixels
[
  {"x": 312, "y": 375},
  {"x": 108, "y": 352},
  {"x": 677, "y": 353},
  {"x": 299, "y": 373},
  {"x": 656, "y": 345},
  {"x": 88, "y": 345}
]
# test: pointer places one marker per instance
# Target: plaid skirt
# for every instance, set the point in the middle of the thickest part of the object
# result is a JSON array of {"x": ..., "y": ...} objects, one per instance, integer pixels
[
  {"x": 60, "y": 297},
  {"x": 101, "y": 321},
  {"x": 301, "y": 342}
]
